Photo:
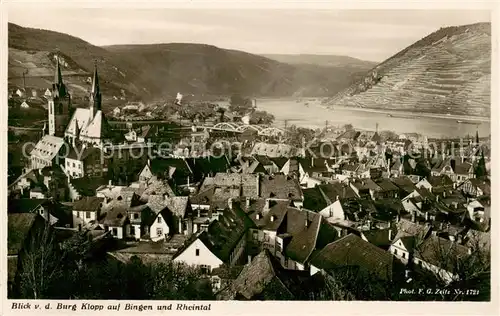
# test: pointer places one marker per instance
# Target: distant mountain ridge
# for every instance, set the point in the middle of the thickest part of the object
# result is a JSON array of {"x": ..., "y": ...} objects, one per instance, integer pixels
[
  {"x": 158, "y": 70},
  {"x": 448, "y": 71},
  {"x": 322, "y": 60}
]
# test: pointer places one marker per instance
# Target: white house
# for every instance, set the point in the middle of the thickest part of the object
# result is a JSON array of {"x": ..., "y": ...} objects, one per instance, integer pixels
[
  {"x": 197, "y": 253},
  {"x": 334, "y": 211},
  {"x": 159, "y": 229},
  {"x": 131, "y": 136},
  {"x": 402, "y": 247}
]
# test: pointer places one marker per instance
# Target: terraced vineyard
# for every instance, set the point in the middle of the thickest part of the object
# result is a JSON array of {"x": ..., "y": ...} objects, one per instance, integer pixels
[{"x": 445, "y": 72}]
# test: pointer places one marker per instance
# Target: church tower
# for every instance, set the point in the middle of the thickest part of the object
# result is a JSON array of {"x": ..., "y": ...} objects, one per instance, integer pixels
[
  {"x": 95, "y": 95},
  {"x": 59, "y": 106}
]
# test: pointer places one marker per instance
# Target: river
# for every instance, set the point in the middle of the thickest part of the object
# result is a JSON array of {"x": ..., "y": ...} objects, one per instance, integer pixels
[{"x": 314, "y": 115}]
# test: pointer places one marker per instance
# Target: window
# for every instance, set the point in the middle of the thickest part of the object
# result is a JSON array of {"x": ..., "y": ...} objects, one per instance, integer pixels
[
  {"x": 87, "y": 214},
  {"x": 159, "y": 219},
  {"x": 395, "y": 251},
  {"x": 73, "y": 164},
  {"x": 132, "y": 230},
  {"x": 404, "y": 255},
  {"x": 77, "y": 214},
  {"x": 136, "y": 216},
  {"x": 159, "y": 232},
  {"x": 197, "y": 252},
  {"x": 205, "y": 269},
  {"x": 115, "y": 231}
]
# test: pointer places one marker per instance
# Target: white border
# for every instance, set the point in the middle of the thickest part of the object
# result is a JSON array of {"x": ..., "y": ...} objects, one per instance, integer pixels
[{"x": 284, "y": 308}]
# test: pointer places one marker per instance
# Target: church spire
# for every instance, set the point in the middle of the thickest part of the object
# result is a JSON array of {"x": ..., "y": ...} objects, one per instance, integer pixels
[
  {"x": 95, "y": 94},
  {"x": 58, "y": 75}
]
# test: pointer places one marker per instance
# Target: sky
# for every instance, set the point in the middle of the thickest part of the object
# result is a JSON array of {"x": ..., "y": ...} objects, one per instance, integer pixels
[{"x": 365, "y": 34}]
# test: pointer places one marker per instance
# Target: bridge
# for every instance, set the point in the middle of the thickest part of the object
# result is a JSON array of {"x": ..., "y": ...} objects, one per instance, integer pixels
[{"x": 262, "y": 130}]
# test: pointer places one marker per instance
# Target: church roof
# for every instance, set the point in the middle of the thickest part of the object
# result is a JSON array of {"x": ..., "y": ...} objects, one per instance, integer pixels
[
  {"x": 97, "y": 128},
  {"x": 80, "y": 117}
]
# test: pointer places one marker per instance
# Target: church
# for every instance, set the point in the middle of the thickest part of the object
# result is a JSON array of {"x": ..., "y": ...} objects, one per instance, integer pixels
[{"x": 76, "y": 127}]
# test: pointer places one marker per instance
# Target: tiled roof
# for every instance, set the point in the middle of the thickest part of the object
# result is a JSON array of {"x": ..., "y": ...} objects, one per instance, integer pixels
[
  {"x": 303, "y": 242},
  {"x": 280, "y": 187},
  {"x": 442, "y": 180},
  {"x": 274, "y": 150},
  {"x": 222, "y": 235},
  {"x": 115, "y": 215},
  {"x": 386, "y": 185},
  {"x": 204, "y": 197},
  {"x": 314, "y": 200},
  {"x": 378, "y": 237},
  {"x": 332, "y": 190},
  {"x": 463, "y": 168},
  {"x": 87, "y": 186},
  {"x": 441, "y": 252},
  {"x": 267, "y": 219},
  {"x": 48, "y": 147},
  {"x": 264, "y": 278},
  {"x": 98, "y": 128},
  {"x": 178, "y": 205},
  {"x": 351, "y": 250},
  {"x": 88, "y": 204}
]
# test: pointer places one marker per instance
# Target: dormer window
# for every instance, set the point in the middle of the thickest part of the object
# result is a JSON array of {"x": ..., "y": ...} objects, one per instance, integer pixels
[
  {"x": 119, "y": 198},
  {"x": 273, "y": 218}
]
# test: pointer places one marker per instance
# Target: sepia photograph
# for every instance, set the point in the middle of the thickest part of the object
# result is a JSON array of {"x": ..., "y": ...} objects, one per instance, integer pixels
[{"x": 201, "y": 155}]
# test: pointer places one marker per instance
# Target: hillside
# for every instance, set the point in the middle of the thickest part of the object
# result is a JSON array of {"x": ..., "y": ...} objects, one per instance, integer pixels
[
  {"x": 345, "y": 62},
  {"x": 153, "y": 71},
  {"x": 445, "y": 72}
]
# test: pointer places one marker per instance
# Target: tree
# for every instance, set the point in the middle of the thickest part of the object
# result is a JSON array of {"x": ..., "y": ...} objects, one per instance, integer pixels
[
  {"x": 40, "y": 265},
  {"x": 239, "y": 104}
]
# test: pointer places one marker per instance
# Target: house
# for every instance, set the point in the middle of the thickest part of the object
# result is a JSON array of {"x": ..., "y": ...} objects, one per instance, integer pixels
[
  {"x": 436, "y": 183},
  {"x": 174, "y": 169},
  {"x": 208, "y": 166},
  {"x": 22, "y": 229},
  {"x": 115, "y": 219},
  {"x": 365, "y": 188},
  {"x": 131, "y": 136},
  {"x": 116, "y": 112},
  {"x": 441, "y": 256},
  {"x": 86, "y": 162},
  {"x": 223, "y": 242},
  {"x": 25, "y": 105},
  {"x": 47, "y": 152},
  {"x": 223, "y": 276},
  {"x": 475, "y": 187},
  {"x": 158, "y": 228},
  {"x": 405, "y": 185},
  {"x": 280, "y": 186},
  {"x": 87, "y": 210},
  {"x": 310, "y": 169},
  {"x": 381, "y": 238},
  {"x": 353, "y": 251},
  {"x": 264, "y": 279},
  {"x": 387, "y": 188},
  {"x": 333, "y": 195},
  {"x": 409, "y": 234},
  {"x": 53, "y": 212},
  {"x": 273, "y": 150}
]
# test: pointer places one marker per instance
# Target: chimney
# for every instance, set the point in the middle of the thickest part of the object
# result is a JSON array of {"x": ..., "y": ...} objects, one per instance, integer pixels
[
  {"x": 247, "y": 202},
  {"x": 398, "y": 218},
  {"x": 426, "y": 216},
  {"x": 413, "y": 217},
  {"x": 109, "y": 184},
  {"x": 249, "y": 259},
  {"x": 258, "y": 184},
  {"x": 390, "y": 234},
  {"x": 230, "y": 203},
  {"x": 441, "y": 226},
  {"x": 437, "y": 198},
  {"x": 369, "y": 223},
  {"x": 469, "y": 251},
  {"x": 337, "y": 198},
  {"x": 267, "y": 206}
]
